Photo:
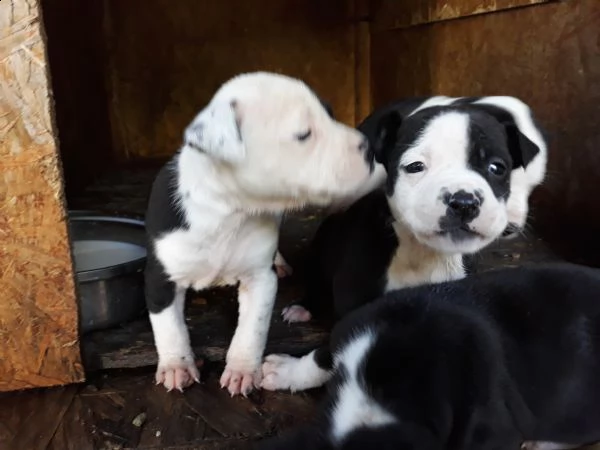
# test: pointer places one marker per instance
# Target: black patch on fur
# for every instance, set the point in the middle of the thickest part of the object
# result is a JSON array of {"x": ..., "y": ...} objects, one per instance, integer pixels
[
  {"x": 487, "y": 140},
  {"x": 521, "y": 148},
  {"x": 162, "y": 216},
  {"x": 482, "y": 363},
  {"x": 348, "y": 258}
]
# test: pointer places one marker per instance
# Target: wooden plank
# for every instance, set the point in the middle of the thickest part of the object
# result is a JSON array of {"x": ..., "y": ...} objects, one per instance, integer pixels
[
  {"x": 27, "y": 423},
  {"x": 74, "y": 431},
  {"x": 127, "y": 410},
  {"x": 38, "y": 312},
  {"x": 392, "y": 14},
  {"x": 546, "y": 55},
  {"x": 168, "y": 58}
]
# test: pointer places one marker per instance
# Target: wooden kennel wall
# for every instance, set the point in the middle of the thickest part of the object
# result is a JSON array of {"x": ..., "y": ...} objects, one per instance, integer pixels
[{"x": 93, "y": 86}]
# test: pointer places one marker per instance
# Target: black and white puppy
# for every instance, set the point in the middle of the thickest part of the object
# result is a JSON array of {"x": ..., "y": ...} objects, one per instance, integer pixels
[
  {"x": 454, "y": 185},
  {"x": 489, "y": 362},
  {"x": 450, "y": 174},
  {"x": 264, "y": 144},
  {"x": 509, "y": 110}
]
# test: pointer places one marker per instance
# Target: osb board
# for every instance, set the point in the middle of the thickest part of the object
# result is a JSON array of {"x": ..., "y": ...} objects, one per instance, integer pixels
[
  {"x": 548, "y": 56},
  {"x": 389, "y": 14},
  {"x": 77, "y": 64},
  {"x": 38, "y": 312},
  {"x": 168, "y": 58}
]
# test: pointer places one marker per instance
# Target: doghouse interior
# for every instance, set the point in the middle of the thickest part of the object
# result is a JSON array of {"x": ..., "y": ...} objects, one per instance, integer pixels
[{"x": 128, "y": 76}]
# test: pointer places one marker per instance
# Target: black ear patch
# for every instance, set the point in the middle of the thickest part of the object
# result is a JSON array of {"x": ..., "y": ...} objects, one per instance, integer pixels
[
  {"x": 522, "y": 149},
  {"x": 386, "y": 135}
]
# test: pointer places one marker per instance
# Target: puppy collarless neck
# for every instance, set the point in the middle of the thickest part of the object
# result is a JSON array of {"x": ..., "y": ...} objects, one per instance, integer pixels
[{"x": 414, "y": 263}]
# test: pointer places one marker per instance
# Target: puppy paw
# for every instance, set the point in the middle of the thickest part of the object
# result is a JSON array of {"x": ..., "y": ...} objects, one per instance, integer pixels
[
  {"x": 278, "y": 372},
  {"x": 240, "y": 381},
  {"x": 177, "y": 373},
  {"x": 295, "y": 313},
  {"x": 282, "y": 268}
]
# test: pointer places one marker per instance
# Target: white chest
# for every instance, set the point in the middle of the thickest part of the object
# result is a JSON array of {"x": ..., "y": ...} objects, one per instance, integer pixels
[
  {"x": 204, "y": 256},
  {"x": 414, "y": 264}
]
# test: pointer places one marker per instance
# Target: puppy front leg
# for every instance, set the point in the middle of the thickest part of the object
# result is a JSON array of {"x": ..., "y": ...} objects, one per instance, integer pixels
[
  {"x": 176, "y": 363},
  {"x": 282, "y": 372},
  {"x": 256, "y": 297}
]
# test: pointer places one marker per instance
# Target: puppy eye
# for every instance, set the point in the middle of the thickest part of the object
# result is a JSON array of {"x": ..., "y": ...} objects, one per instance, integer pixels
[
  {"x": 415, "y": 167},
  {"x": 304, "y": 136},
  {"x": 497, "y": 168}
]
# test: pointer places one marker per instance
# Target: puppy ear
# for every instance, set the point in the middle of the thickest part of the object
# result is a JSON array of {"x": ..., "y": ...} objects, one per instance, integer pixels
[
  {"x": 216, "y": 130},
  {"x": 386, "y": 133},
  {"x": 521, "y": 148}
]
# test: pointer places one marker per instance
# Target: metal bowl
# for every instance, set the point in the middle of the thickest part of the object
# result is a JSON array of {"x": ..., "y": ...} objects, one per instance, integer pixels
[{"x": 109, "y": 254}]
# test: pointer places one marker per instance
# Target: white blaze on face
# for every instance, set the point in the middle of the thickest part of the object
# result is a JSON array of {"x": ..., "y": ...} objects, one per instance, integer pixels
[{"x": 417, "y": 200}]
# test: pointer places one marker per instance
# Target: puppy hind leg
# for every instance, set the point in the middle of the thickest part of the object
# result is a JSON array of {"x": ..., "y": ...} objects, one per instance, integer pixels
[
  {"x": 282, "y": 372},
  {"x": 282, "y": 268},
  {"x": 317, "y": 299}
]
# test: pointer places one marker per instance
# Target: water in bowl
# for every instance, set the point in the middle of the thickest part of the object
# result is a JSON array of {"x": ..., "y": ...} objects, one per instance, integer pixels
[{"x": 91, "y": 254}]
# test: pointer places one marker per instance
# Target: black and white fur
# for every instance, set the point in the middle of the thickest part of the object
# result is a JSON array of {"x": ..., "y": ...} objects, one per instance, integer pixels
[
  {"x": 508, "y": 110},
  {"x": 450, "y": 174},
  {"x": 455, "y": 205},
  {"x": 264, "y": 144},
  {"x": 489, "y": 362}
]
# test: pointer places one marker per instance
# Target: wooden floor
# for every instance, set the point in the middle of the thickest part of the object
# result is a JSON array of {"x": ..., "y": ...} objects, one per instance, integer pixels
[{"x": 119, "y": 406}]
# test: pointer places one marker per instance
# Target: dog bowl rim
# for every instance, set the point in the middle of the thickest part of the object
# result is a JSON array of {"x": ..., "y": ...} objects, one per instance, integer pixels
[{"x": 115, "y": 270}]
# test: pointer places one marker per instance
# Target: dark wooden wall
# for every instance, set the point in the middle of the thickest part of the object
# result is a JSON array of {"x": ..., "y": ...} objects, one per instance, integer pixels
[
  {"x": 77, "y": 61},
  {"x": 547, "y": 54},
  {"x": 129, "y": 75},
  {"x": 167, "y": 58}
]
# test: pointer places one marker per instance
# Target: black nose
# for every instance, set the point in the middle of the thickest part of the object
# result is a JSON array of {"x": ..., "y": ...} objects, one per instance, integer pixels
[
  {"x": 364, "y": 145},
  {"x": 465, "y": 205}
]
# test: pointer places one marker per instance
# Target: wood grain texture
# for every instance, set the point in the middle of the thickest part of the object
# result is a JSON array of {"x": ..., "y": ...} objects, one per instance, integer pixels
[
  {"x": 38, "y": 311},
  {"x": 548, "y": 56},
  {"x": 168, "y": 58},
  {"x": 390, "y": 14}
]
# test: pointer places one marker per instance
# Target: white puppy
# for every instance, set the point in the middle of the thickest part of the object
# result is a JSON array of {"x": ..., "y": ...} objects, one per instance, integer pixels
[{"x": 264, "y": 144}]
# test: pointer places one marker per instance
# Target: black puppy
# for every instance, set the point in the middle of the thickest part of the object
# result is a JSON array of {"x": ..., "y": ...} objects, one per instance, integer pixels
[{"x": 485, "y": 363}]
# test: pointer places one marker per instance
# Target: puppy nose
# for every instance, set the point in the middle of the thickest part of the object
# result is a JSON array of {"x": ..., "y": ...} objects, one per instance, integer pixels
[
  {"x": 465, "y": 205},
  {"x": 364, "y": 145}
]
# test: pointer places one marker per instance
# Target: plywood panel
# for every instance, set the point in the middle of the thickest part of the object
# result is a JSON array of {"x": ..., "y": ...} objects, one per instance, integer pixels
[
  {"x": 168, "y": 58},
  {"x": 389, "y": 14},
  {"x": 38, "y": 313},
  {"x": 545, "y": 54}
]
